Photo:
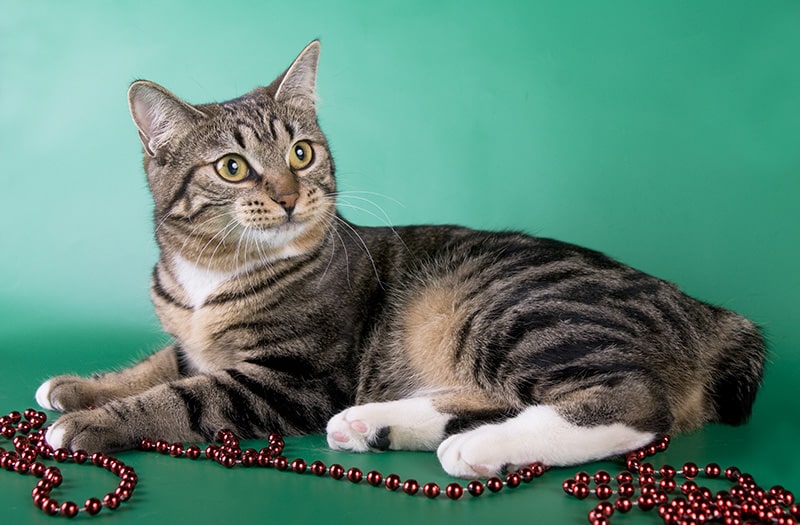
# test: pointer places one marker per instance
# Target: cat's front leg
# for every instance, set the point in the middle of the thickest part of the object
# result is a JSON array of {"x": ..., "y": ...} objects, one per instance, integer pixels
[
  {"x": 405, "y": 424},
  {"x": 67, "y": 393}
]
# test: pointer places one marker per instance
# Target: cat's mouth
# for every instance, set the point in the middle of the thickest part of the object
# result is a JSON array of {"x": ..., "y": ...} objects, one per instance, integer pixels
[{"x": 277, "y": 235}]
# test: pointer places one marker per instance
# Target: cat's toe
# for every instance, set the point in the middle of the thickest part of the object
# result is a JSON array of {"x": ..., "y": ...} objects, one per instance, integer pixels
[
  {"x": 346, "y": 431},
  {"x": 471, "y": 454},
  {"x": 43, "y": 396},
  {"x": 91, "y": 430}
]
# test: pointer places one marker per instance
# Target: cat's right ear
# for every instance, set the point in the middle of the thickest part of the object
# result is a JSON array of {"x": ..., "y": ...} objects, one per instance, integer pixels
[{"x": 159, "y": 115}]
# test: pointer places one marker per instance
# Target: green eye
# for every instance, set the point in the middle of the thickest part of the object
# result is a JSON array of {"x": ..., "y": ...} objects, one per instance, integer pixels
[
  {"x": 300, "y": 155},
  {"x": 232, "y": 168}
]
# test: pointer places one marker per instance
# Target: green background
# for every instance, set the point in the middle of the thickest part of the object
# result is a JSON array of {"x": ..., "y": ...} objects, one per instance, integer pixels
[{"x": 666, "y": 134}]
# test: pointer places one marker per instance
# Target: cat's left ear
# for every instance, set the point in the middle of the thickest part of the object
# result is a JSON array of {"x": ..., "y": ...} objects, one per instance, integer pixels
[
  {"x": 298, "y": 84},
  {"x": 160, "y": 116}
]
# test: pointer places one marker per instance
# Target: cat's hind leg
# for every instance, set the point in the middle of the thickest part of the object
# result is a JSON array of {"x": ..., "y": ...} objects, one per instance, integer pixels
[{"x": 538, "y": 433}]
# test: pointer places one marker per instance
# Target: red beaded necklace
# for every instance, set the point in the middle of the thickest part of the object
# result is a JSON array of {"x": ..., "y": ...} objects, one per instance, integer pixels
[{"x": 641, "y": 485}]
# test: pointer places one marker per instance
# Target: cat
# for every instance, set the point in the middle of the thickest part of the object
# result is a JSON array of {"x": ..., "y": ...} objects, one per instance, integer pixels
[{"x": 492, "y": 348}]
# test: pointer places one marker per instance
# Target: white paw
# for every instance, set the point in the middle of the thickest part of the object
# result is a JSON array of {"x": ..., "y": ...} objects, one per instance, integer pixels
[
  {"x": 405, "y": 424},
  {"x": 480, "y": 452},
  {"x": 55, "y": 436},
  {"x": 43, "y": 396},
  {"x": 348, "y": 430}
]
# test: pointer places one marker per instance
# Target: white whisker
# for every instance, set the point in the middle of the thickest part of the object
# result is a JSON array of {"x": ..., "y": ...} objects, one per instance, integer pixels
[{"x": 363, "y": 245}]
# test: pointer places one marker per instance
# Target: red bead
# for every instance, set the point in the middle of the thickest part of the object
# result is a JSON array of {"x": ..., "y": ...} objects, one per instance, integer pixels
[
  {"x": 624, "y": 477},
  {"x": 175, "y": 450},
  {"x": 526, "y": 474},
  {"x": 355, "y": 475},
  {"x": 690, "y": 470},
  {"x": 494, "y": 484},
  {"x": 61, "y": 455},
  {"x": 688, "y": 487},
  {"x": 646, "y": 502},
  {"x": 454, "y": 491},
  {"x": 37, "y": 469},
  {"x": 97, "y": 458},
  {"x": 21, "y": 466},
  {"x": 24, "y": 427},
  {"x": 431, "y": 490},
  {"x": 318, "y": 468},
  {"x": 228, "y": 461},
  {"x": 603, "y": 491},
  {"x": 111, "y": 501},
  {"x": 93, "y": 506},
  {"x": 336, "y": 471},
  {"x": 392, "y": 482},
  {"x": 732, "y": 473},
  {"x": 299, "y": 465},
  {"x": 123, "y": 494},
  {"x": 162, "y": 446},
  {"x": 475, "y": 488},
  {"x": 513, "y": 480},
  {"x": 568, "y": 485},
  {"x": 212, "y": 451},
  {"x": 8, "y": 431},
  {"x": 281, "y": 463},
  {"x": 713, "y": 470},
  {"x": 53, "y": 475},
  {"x": 601, "y": 476},
  {"x": 374, "y": 478},
  {"x": 647, "y": 480},
  {"x": 49, "y": 506},
  {"x": 410, "y": 487},
  {"x": 69, "y": 509},
  {"x": 80, "y": 456},
  {"x": 626, "y": 490},
  {"x": 668, "y": 485},
  {"x": 15, "y": 417},
  {"x": 623, "y": 505},
  {"x": 583, "y": 477},
  {"x": 193, "y": 452},
  {"x": 580, "y": 490}
]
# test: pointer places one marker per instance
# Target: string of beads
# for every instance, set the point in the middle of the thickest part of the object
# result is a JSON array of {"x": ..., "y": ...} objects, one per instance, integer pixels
[
  {"x": 686, "y": 503},
  {"x": 641, "y": 485}
]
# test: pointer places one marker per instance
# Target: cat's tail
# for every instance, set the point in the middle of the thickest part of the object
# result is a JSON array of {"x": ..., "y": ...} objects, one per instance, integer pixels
[{"x": 738, "y": 371}]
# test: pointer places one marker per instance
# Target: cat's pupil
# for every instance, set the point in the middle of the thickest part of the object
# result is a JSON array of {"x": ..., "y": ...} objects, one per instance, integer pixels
[
  {"x": 301, "y": 155},
  {"x": 233, "y": 167}
]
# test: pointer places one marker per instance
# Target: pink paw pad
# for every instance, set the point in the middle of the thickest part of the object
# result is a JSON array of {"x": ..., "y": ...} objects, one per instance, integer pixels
[
  {"x": 341, "y": 437},
  {"x": 359, "y": 426}
]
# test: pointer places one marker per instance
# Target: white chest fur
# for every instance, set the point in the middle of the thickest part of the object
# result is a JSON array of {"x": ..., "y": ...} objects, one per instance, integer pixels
[{"x": 199, "y": 283}]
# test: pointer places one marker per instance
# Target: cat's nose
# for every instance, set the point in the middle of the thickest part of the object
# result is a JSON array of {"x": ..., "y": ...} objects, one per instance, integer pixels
[{"x": 287, "y": 201}]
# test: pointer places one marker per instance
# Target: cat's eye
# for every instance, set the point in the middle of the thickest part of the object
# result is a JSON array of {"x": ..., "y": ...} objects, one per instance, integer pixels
[
  {"x": 232, "y": 168},
  {"x": 300, "y": 155}
]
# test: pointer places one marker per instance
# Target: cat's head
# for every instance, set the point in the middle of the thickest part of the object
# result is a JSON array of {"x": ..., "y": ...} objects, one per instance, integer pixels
[{"x": 248, "y": 179}]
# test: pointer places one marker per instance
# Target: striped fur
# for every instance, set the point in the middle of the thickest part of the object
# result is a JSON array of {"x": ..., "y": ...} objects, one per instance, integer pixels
[{"x": 286, "y": 317}]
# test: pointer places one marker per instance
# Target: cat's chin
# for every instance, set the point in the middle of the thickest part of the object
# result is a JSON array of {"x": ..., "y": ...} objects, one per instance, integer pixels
[{"x": 279, "y": 237}]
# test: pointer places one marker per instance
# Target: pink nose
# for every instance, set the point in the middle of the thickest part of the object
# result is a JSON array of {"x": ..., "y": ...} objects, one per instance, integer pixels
[{"x": 287, "y": 201}]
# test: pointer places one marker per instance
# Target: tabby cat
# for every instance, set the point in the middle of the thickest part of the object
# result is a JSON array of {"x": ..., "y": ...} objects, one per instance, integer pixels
[{"x": 493, "y": 349}]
